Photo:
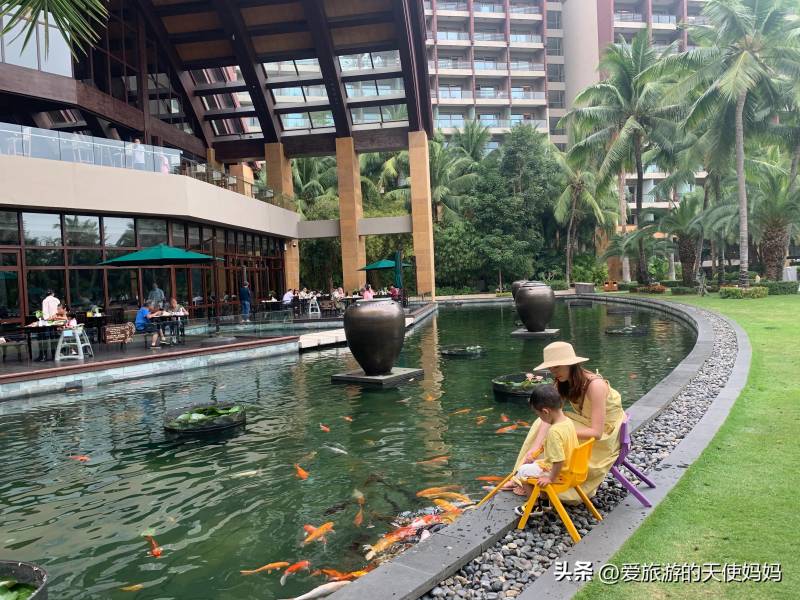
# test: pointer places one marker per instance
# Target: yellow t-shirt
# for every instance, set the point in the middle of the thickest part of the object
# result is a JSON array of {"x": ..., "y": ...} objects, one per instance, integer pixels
[{"x": 559, "y": 443}]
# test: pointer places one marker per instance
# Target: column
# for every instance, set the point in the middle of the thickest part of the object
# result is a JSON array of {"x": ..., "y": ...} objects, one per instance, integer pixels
[
  {"x": 354, "y": 251},
  {"x": 279, "y": 178},
  {"x": 421, "y": 219},
  {"x": 244, "y": 178}
]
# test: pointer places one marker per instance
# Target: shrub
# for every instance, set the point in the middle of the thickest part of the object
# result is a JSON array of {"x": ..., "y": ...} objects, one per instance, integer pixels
[
  {"x": 627, "y": 287},
  {"x": 735, "y": 293},
  {"x": 587, "y": 268},
  {"x": 503, "y": 294},
  {"x": 780, "y": 288},
  {"x": 680, "y": 290},
  {"x": 651, "y": 289},
  {"x": 557, "y": 284},
  {"x": 671, "y": 283}
]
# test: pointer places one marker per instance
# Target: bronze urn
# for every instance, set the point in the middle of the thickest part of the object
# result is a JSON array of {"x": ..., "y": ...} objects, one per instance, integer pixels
[
  {"x": 535, "y": 302},
  {"x": 375, "y": 331}
]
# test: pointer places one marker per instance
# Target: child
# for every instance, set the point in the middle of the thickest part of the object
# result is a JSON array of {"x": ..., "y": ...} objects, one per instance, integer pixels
[{"x": 558, "y": 445}]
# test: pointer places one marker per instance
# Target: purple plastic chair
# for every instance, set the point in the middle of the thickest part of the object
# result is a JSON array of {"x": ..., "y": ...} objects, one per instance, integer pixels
[{"x": 622, "y": 461}]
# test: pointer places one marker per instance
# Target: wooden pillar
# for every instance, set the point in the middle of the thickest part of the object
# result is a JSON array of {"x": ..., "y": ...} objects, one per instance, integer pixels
[
  {"x": 211, "y": 160},
  {"x": 421, "y": 218},
  {"x": 354, "y": 251},
  {"x": 244, "y": 178},
  {"x": 279, "y": 178}
]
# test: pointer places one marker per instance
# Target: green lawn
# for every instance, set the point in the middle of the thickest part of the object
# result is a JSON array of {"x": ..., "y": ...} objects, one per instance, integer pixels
[{"x": 738, "y": 502}]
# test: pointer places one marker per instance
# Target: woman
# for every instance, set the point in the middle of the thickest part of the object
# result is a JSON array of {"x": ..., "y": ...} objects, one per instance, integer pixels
[{"x": 597, "y": 414}]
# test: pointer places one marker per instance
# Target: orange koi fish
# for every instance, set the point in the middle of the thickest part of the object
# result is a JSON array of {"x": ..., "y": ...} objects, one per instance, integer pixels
[
  {"x": 429, "y": 398},
  {"x": 331, "y": 574},
  {"x": 318, "y": 533},
  {"x": 325, "y": 428},
  {"x": 481, "y": 420},
  {"x": 446, "y": 506},
  {"x": 298, "y": 566},
  {"x": 155, "y": 549},
  {"x": 132, "y": 588},
  {"x": 348, "y": 419},
  {"x": 80, "y": 457},
  {"x": 463, "y": 411},
  {"x": 268, "y": 568},
  {"x": 437, "y": 490},
  {"x": 632, "y": 376},
  {"x": 425, "y": 520},
  {"x": 490, "y": 478},
  {"x": 359, "y": 518},
  {"x": 434, "y": 460},
  {"x": 451, "y": 496},
  {"x": 300, "y": 471},
  {"x": 504, "y": 418},
  {"x": 359, "y": 497},
  {"x": 389, "y": 540},
  {"x": 523, "y": 424},
  {"x": 507, "y": 429},
  {"x": 483, "y": 410}
]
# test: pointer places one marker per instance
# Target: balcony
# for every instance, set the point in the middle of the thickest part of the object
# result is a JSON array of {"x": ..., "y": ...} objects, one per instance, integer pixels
[
  {"x": 490, "y": 65},
  {"x": 490, "y": 94},
  {"x": 524, "y": 9},
  {"x": 524, "y": 65},
  {"x": 489, "y": 36},
  {"x": 450, "y": 36},
  {"x": 664, "y": 19},
  {"x": 525, "y": 38},
  {"x": 450, "y": 5},
  {"x": 697, "y": 20},
  {"x": 622, "y": 19},
  {"x": 453, "y": 64},
  {"x": 488, "y": 7},
  {"x": 456, "y": 122}
]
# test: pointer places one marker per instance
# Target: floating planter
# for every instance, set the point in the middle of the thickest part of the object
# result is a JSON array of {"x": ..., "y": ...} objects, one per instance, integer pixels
[
  {"x": 205, "y": 418},
  {"x": 463, "y": 351},
  {"x": 22, "y": 581},
  {"x": 627, "y": 330},
  {"x": 519, "y": 385}
]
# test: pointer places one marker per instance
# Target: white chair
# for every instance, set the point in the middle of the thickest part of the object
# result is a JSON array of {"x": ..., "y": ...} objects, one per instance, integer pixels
[
  {"x": 313, "y": 309},
  {"x": 73, "y": 344}
]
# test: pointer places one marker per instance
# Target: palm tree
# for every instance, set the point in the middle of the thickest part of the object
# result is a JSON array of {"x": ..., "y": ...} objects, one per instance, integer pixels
[
  {"x": 580, "y": 194},
  {"x": 472, "y": 140},
  {"x": 314, "y": 178},
  {"x": 745, "y": 48},
  {"x": 77, "y": 20},
  {"x": 625, "y": 113},
  {"x": 683, "y": 223}
]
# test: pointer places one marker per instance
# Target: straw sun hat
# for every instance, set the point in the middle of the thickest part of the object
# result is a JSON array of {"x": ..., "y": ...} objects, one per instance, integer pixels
[{"x": 559, "y": 354}]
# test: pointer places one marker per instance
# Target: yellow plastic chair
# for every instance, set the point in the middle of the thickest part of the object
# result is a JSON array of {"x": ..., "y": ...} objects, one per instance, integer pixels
[
  {"x": 571, "y": 476},
  {"x": 496, "y": 489}
]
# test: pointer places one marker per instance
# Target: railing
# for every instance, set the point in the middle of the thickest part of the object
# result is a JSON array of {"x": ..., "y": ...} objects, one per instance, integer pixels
[
  {"x": 491, "y": 94},
  {"x": 489, "y": 36},
  {"x": 491, "y": 7},
  {"x": 452, "y": 35},
  {"x": 487, "y": 65},
  {"x": 525, "y": 37},
  {"x": 668, "y": 19},
  {"x": 535, "y": 123},
  {"x": 444, "y": 5},
  {"x": 32, "y": 142},
  {"x": 452, "y": 93},
  {"x": 450, "y": 64},
  {"x": 449, "y": 122},
  {"x": 526, "y": 9},
  {"x": 697, "y": 20},
  {"x": 487, "y": 122},
  {"x": 629, "y": 17},
  {"x": 521, "y": 65},
  {"x": 528, "y": 95}
]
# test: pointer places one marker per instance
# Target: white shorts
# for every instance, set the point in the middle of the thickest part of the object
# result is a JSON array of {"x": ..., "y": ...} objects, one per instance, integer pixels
[{"x": 530, "y": 471}]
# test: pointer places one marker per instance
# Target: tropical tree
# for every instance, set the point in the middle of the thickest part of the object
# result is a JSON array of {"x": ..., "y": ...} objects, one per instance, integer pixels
[
  {"x": 76, "y": 20},
  {"x": 580, "y": 194},
  {"x": 625, "y": 113},
  {"x": 472, "y": 140},
  {"x": 747, "y": 46},
  {"x": 684, "y": 223},
  {"x": 314, "y": 178}
]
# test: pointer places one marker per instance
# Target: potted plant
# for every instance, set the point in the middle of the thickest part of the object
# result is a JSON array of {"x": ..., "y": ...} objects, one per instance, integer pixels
[
  {"x": 22, "y": 581},
  {"x": 520, "y": 385},
  {"x": 205, "y": 418}
]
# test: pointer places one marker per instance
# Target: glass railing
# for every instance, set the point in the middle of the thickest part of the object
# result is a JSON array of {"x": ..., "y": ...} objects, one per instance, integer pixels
[
  {"x": 697, "y": 20},
  {"x": 441, "y": 5},
  {"x": 17, "y": 140},
  {"x": 32, "y": 142},
  {"x": 521, "y": 65},
  {"x": 528, "y": 95},
  {"x": 526, "y": 37},
  {"x": 488, "y": 122},
  {"x": 445, "y": 63},
  {"x": 668, "y": 19},
  {"x": 629, "y": 17},
  {"x": 488, "y": 65},
  {"x": 485, "y": 7},
  {"x": 489, "y": 36},
  {"x": 452, "y": 93},
  {"x": 525, "y": 9},
  {"x": 452, "y": 35},
  {"x": 491, "y": 94},
  {"x": 440, "y": 123}
]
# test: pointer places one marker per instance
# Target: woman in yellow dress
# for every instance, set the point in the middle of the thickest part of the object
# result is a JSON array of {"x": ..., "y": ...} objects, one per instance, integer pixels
[{"x": 596, "y": 411}]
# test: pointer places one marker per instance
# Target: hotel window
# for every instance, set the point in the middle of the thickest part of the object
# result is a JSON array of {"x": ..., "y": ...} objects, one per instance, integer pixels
[
  {"x": 553, "y": 19},
  {"x": 555, "y": 72},
  {"x": 555, "y": 99},
  {"x": 555, "y": 46}
]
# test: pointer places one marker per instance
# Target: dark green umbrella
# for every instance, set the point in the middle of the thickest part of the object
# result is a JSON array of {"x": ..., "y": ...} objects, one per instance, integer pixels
[
  {"x": 159, "y": 255},
  {"x": 382, "y": 264}
]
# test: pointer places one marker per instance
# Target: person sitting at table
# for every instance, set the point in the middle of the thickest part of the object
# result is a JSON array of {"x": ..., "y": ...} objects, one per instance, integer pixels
[
  {"x": 143, "y": 324},
  {"x": 177, "y": 326},
  {"x": 394, "y": 292},
  {"x": 368, "y": 294},
  {"x": 287, "y": 298}
]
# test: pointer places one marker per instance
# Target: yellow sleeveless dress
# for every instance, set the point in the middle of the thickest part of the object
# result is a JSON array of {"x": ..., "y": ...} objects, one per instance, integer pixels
[{"x": 604, "y": 451}]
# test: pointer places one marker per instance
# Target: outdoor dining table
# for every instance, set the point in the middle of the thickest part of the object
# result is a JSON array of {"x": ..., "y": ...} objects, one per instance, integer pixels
[
  {"x": 97, "y": 322},
  {"x": 49, "y": 328},
  {"x": 168, "y": 317}
]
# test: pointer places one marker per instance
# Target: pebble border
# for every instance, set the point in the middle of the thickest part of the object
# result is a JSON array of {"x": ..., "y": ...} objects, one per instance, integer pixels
[{"x": 502, "y": 568}]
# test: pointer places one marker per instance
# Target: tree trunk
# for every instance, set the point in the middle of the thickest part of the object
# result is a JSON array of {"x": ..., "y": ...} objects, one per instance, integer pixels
[
  {"x": 698, "y": 253},
  {"x": 642, "y": 276},
  {"x": 773, "y": 250},
  {"x": 671, "y": 259},
  {"x": 569, "y": 238},
  {"x": 744, "y": 250},
  {"x": 713, "y": 259},
  {"x": 793, "y": 171},
  {"x": 623, "y": 221},
  {"x": 721, "y": 269},
  {"x": 687, "y": 246}
]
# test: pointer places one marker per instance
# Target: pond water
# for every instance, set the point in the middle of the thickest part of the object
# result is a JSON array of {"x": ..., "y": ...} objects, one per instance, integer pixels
[{"x": 221, "y": 504}]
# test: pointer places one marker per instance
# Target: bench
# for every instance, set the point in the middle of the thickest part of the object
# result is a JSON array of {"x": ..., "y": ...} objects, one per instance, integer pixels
[{"x": 12, "y": 338}]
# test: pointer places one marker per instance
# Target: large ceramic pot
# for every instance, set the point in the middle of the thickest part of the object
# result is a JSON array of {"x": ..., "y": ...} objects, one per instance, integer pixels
[
  {"x": 535, "y": 303},
  {"x": 26, "y": 574},
  {"x": 516, "y": 285},
  {"x": 375, "y": 330}
]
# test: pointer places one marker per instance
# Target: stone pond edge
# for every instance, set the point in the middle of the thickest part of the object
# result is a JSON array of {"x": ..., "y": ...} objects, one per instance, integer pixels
[{"x": 422, "y": 567}]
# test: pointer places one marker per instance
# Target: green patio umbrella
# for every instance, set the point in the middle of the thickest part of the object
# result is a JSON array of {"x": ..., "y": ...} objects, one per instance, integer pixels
[
  {"x": 159, "y": 255},
  {"x": 382, "y": 264}
]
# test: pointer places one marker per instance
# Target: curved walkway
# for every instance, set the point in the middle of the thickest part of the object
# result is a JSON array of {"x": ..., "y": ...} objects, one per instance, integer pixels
[{"x": 503, "y": 569}]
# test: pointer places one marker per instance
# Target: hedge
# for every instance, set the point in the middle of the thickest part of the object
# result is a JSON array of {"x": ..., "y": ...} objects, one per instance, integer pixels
[
  {"x": 679, "y": 290},
  {"x": 740, "y": 293},
  {"x": 557, "y": 284},
  {"x": 651, "y": 289},
  {"x": 780, "y": 288},
  {"x": 671, "y": 283},
  {"x": 627, "y": 287}
]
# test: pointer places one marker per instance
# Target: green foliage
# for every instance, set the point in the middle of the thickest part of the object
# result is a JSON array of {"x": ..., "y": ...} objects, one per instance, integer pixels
[
  {"x": 735, "y": 293},
  {"x": 588, "y": 269},
  {"x": 627, "y": 287},
  {"x": 680, "y": 290},
  {"x": 658, "y": 268},
  {"x": 651, "y": 289},
  {"x": 455, "y": 291},
  {"x": 670, "y": 283},
  {"x": 558, "y": 284},
  {"x": 780, "y": 288},
  {"x": 503, "y": 294}
]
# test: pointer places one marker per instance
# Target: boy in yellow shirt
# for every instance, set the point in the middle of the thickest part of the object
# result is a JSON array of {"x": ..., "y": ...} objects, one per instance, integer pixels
[{"x": 559, "y": 442}]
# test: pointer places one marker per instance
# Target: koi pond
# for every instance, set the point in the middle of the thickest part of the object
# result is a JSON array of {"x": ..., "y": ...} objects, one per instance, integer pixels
[{"x": 85, "y": 476}]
